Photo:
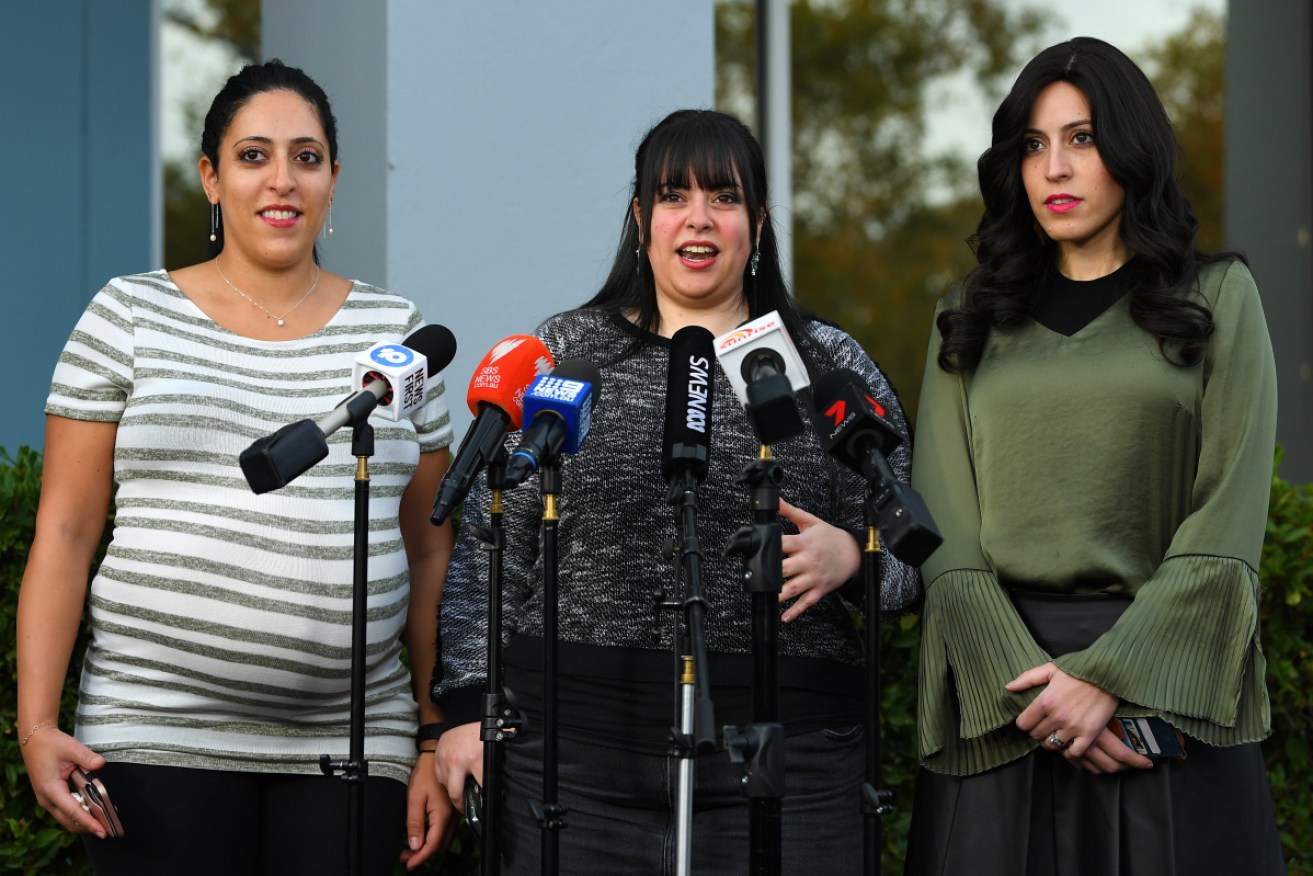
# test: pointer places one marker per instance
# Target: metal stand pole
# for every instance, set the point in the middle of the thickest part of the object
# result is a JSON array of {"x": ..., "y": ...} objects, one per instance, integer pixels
[
  {"x": 549, "y": 813},
  {"x": 499, "y": 721},
  {"x": 875, "y": 801},
  {"x": 760, "y": 746},
  {"x": 695, "y": 733},
  {"x": 355, "y": 770}
]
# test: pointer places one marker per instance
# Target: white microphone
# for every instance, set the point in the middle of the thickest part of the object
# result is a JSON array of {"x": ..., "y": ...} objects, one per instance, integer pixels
[
  {"x": 389, "y": 378},
  {"x": 765, "y": 370}
]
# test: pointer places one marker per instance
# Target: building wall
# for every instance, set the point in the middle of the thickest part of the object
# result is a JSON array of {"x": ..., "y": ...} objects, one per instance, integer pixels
[
  {"x": 80, "y": 187},
  {"x": 487, "y": 148},
  {"x": 1269, "y": 195}
]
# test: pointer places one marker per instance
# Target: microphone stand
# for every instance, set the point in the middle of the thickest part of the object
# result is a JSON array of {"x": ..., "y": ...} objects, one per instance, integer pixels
[
  {"x": 549, "y": 813},
  {"x": 500, "y": 722},
  {"x": 355, "y": 770},
  {"x": 900, "y": 514},
  {"x": 760, "y": 745},
  {"x": 695, "y": 733},
  {"x": 875, "y": 800}
]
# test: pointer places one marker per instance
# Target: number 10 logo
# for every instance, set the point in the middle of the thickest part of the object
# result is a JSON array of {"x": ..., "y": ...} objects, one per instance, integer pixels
[{"x": 392, "y": 356}]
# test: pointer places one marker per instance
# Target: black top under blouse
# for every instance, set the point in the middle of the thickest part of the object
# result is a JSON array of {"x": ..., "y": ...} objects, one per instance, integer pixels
[{"x": 1066, "y": 306}]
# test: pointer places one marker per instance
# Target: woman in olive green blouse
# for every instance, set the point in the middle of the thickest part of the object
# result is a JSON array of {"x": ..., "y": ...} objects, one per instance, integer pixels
[{"x": 1095, "y": 441}]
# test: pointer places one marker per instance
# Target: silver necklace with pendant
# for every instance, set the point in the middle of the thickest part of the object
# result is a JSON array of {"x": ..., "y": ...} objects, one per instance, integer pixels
[{"x": 280, "y": 320}]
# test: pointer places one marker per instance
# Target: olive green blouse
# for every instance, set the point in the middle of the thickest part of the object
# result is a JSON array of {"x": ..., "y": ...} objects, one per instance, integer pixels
[{"x": 1090, "y": 463}]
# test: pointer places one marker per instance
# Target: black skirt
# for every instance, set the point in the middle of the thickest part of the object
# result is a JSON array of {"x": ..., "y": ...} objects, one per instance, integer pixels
[{"x": 1040, "y": 816}]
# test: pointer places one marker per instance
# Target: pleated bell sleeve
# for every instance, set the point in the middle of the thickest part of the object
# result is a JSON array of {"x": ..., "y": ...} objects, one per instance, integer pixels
[{"x": 973, "y": 641}]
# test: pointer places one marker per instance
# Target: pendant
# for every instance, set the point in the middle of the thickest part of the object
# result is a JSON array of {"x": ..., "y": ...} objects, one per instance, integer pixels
[{"x": 280, "y": 322}]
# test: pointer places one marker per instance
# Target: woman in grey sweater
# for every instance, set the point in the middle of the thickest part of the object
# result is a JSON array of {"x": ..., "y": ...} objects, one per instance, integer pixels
[{"x": 697, "y": 248}]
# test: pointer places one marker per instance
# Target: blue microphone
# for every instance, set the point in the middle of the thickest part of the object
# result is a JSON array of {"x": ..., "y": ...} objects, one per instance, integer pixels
[{"x": 558, "y": 409}]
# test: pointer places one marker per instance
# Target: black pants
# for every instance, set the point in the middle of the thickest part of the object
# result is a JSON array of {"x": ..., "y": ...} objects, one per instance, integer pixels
[
  {"x": 622, "y": 809},
  {"x": 200, "y": 822}
]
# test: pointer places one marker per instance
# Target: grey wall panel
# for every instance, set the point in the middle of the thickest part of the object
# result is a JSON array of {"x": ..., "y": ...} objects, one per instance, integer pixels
[
  {"x": 80, "y": 189},
  {"x": 1269, "y": 194},
  {"x": 507, "y": 134}
]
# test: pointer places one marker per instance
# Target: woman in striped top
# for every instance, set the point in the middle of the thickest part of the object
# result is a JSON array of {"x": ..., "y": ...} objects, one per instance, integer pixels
[{"x": 218, "y": 668}]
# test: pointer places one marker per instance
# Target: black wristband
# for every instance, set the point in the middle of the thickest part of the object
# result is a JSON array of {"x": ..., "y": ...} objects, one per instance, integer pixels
[{"x": 430, "y": 732}]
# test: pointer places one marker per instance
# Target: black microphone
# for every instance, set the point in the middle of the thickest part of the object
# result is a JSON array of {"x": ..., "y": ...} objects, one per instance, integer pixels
[
  {"x": 559, "y": 409},
  {"x": 388, "y": 374},
  {"x": 853, "y": 429},
  {"x": 686, "y": 445}
]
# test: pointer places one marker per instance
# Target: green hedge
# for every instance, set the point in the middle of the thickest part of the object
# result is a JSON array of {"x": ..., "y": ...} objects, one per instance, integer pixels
[{"x": 31, "y": 842}]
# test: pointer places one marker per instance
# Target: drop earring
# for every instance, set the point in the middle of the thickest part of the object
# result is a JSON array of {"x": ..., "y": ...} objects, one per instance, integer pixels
[
  {"x": 638, "y": 260},
  {"x": 214, "y": 222},
  {"x": 328, "y": 226},
  {"x": 752, "y": 263}
]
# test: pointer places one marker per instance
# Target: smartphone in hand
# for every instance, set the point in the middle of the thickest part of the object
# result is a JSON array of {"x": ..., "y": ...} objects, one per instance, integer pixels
[
  {"x": 90, "y": 792},
  {"x": 1152, "y": 737}
]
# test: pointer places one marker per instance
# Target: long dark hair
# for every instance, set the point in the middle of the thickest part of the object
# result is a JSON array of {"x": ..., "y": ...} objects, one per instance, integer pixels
[
  {"x": 241, "y": 87},
  {"x": 718, "y": 150},
  {"x": 1136, "y": 143}
]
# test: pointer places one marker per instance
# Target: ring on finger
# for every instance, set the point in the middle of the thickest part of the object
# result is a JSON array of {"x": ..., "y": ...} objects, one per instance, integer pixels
[{"x": 1056, "y": 741}]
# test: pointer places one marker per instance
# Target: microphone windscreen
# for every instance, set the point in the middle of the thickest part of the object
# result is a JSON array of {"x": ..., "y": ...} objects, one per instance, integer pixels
[
  {"x": 569, "y": 393},
  {"x": 437, "y": 343},
  {"x": 505, "y": 373},
  {"x": 832, "y": 383},
  {"x": 739, "y": 348},
  {"x": 850, "y": 413},
  {"x": 687, "y": 436},
  {"x": 583, "y": 370}
]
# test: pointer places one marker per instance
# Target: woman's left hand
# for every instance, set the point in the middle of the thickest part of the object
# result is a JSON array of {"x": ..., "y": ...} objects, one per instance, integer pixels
[
  {"x": 430, "y": 819},
  {"x": 817, "y": 561},
  {"x": 1077, "y": 713}
]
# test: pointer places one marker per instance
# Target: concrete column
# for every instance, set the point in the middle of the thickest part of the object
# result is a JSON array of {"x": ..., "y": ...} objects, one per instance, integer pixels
[{"x": 1269, "y": 195}]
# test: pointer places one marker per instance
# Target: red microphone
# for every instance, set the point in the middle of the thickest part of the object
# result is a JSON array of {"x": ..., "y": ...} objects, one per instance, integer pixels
[{"x": 496, "y": 398}]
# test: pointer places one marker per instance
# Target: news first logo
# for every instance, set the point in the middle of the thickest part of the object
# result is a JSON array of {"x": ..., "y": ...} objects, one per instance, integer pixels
[
  {"x": 403, "y": 372},
  {"x": 412, "y": 390}
]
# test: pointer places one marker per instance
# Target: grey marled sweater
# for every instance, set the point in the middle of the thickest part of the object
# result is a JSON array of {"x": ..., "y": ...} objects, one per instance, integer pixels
[{"x": 614, "y": 518}]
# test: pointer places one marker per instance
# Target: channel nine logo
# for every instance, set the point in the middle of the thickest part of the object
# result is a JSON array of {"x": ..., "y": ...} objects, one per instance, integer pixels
[{"x": 559, "y": 389}]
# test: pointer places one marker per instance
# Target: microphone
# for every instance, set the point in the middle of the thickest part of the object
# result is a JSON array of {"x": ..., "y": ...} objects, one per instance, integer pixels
[
  {"x": 496, "y": 398},
  {"x": 559, "y": 410},
  {"x": 854, "y": 430},
  {"x": 391, "y": 375},
  {"x": 765, "y": 370},
  {"x": 686, "y": 445}
]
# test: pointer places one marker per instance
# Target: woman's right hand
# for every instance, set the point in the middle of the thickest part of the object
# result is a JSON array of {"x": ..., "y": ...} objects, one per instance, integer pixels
[
  {"x": 50, "y": 756},
  {"x": 459, "y": 754}
]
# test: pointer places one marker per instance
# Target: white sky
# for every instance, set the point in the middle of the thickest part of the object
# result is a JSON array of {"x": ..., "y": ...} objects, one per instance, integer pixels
[{"x": 193, "y": 71}]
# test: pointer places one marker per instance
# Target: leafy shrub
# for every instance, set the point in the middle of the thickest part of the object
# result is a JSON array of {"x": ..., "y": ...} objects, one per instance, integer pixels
[
  {"x": 1287, "y": 618},
  {"x": 30, "y": 840}
]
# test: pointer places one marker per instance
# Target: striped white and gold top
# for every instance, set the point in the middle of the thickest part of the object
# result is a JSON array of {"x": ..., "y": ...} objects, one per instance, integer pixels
[{"x": 221, "y": 620}]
